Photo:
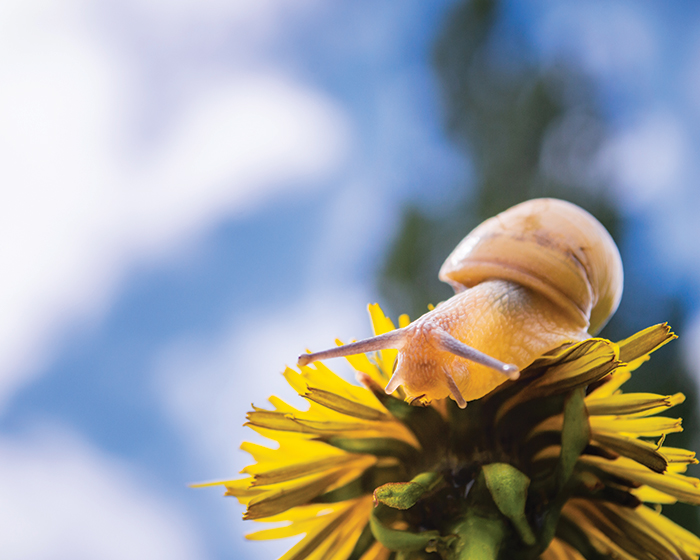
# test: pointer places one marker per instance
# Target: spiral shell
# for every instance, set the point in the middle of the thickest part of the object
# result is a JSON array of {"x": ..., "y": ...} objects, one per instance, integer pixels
[{"x": 551, "y": 246}]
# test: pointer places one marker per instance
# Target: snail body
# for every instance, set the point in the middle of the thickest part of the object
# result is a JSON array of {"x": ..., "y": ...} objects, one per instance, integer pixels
[
  {"x": 501, "y": 318},
  {"x": 538, "y": 275}
]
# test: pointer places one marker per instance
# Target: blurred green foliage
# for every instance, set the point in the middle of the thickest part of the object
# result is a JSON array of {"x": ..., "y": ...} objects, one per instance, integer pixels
[{"x": 528, "y": 130}]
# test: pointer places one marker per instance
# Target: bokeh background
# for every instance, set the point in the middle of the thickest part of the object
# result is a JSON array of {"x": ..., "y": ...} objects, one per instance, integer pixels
[{"x": 192, "y": 193}]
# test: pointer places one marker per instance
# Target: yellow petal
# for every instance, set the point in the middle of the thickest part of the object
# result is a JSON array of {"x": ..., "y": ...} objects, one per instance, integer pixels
[
  {"x": 281, "y": 436},
  {"x": 667, "y": 527},
  {"x": 612, "y": 383},
  {"x": 280, "y": 405},
  {"x": 633, "y": 448},
  {"x": 354, "y": 407},
  {"x": 348, "y": 466},
  {"x": 590, "y": 360},
  {"x": 677, "y": 467},
  {"x": 559, "y": 550},
  {"x": 684, "y": 488},
  {"x": 386, "y": 360},
  {"x": 644, "y": 427},
  {"x": 632, "y": 516},
  {"x": 626, "y": 404},
  {"x": 283, "y": 474},
  {"x": 652, "y": 496},
  {"x": 627, "y": 529},
  {"x": 290, "y": 530},
  {"x": 273, "y": 421},
  {"x": 303, "y": 513},
  {"x": 635, "y": 364},
  {"x": 674, "y": 400},
  {"x": 360, "y": 362},
  {"x": 322, "y": 541},
  {"x": 242, "y": 483},
  {"x": 321, "y": 377},
  {"x": 260, "y": 456},
  {"x": 645, "y": 342},
  {"x": 315, "y": 541},
  {"x": 600, "y": 541},
  {"x": 281, "y": 497},
  {"x": 380, "y": 323},
  {"x": 678, "y": 455},
  {"x": 289, "y": 453},
  {"x": 564, "y": 369},
  {"x": 376, "y": 552},
  {"x": 295, "y": 380},
  {"x": 243, "y": 494},
  {"x": 346, "y": 537}
]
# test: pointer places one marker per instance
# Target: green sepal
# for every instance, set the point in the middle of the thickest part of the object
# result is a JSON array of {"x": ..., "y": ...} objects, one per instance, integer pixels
[
  {"x": 481, "y": 538},
  {"x": 575, "y": 435},
  {"x": 395, "y": 539},
  {"x": 565, "y": 479},
  {"x": 482, "y": 528},
  {"x": 413, "y": 555},
  {"x": 403, "y": 495},
  {"x": 508, "y": 487}
]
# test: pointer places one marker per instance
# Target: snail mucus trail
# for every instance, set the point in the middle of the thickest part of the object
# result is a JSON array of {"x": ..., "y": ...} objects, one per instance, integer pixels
[{"x": 538, "y": 275}]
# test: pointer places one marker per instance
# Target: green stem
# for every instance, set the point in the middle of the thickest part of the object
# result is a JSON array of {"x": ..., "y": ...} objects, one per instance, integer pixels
[{"x": 480, "y": 538}]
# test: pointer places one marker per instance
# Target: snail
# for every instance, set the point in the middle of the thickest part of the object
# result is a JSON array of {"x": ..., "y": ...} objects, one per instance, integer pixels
[{"x": 540, "y": 274}]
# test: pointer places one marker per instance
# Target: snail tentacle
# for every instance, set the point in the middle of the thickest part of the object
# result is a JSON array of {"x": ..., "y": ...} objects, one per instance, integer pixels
[
  {"x": 393, "y": 384},
  {"x": 454, "y": 390},
  {"x": 443, "y": 340},
  {"x": 393, "y": 339}
]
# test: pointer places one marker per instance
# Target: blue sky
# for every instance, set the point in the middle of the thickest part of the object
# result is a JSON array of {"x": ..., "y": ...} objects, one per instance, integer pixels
[{"x": 194, "y": 193}]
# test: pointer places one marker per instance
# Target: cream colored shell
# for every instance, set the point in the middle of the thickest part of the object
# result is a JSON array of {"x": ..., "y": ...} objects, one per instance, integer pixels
[{"x": 548, "y": 245}]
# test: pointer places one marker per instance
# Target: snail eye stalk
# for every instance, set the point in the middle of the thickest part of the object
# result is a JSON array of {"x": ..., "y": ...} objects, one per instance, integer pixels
[
  {"x": 385, "y": 341},
  {"x": 443, "y": 340}
]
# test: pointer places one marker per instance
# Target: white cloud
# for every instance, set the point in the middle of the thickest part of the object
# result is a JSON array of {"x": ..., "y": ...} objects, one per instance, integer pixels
[
  {"x": 207, "y": 386},
  {"x": 357, "y": 228},
  {"x": 689, "y": 82},
  {"x": 79, "y": 206},
  {"x": 647, "y": 161},
  {"x": 614, "y": 41},
  {"x": 62, "y": 499},
  {"x": 258, "y": 19},
  {"x": 570, "y": 148}
]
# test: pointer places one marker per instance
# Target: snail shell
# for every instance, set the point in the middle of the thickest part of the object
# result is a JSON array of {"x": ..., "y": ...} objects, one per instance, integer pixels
[
  {"x": 543, "y": 273},
  {"x": 551, "y": 246}
]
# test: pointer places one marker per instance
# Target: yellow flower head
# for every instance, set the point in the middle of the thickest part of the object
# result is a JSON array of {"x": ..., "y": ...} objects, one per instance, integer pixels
[{"x": 558, "y": 464}]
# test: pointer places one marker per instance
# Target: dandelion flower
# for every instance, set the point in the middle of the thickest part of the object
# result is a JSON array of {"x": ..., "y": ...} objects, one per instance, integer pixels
[{"x": 559, "y": 464}]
